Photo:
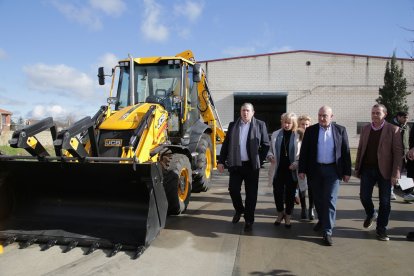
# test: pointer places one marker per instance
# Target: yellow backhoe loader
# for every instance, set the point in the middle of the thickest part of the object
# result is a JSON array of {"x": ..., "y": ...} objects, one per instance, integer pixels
[{"x": 112, "y": 178}]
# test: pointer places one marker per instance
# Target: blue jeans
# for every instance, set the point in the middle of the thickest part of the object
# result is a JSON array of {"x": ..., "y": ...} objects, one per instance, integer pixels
[
  {"x": 370, "y": 177},
  {"x": 324, "y": 185}
]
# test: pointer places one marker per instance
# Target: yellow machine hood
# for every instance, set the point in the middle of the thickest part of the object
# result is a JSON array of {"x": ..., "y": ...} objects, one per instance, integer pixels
[{"x": 126, "y": 118}]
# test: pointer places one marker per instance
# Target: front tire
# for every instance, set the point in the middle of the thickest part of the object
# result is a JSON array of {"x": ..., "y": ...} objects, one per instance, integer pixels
[{"x": 177, "y": 183}]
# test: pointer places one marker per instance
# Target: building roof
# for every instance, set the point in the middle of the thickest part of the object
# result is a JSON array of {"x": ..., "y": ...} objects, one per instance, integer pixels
[
  {"x": 303, "y": 51},
  {"x": 2, "y": 111}
]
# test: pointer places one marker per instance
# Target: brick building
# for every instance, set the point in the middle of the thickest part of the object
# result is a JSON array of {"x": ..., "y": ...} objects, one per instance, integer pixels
[
  {"x": 5, "y": 120},
  {"x": 301, "y": 82}
]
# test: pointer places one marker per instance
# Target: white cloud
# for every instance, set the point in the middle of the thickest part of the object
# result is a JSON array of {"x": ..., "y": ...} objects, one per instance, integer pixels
[
  {"x": 80, "y": 14},
  {"x": 110, "y": 7},
  {"x": 108, "y": 61},
  {"x": 89, "y": 14},
  {"x": 239, "y": 51},
  {"x": 3, "y": 54},
  {"x": 70, "y": 113},
  {"x": 151, "y": 26},
  {"x": 43, "y": 111},
  {"x": 189, "y": 9},
  {"x": 59, "y": 79}
]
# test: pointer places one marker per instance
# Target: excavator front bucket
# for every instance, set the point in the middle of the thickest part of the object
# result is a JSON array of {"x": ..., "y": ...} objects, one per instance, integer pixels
[{"x": 98, "y": 204}]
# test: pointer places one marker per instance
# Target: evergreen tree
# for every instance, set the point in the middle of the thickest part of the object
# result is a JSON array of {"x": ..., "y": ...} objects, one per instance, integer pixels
[
  {"x": 20, "y": 121},
  {"x": 394, "y": 92}
]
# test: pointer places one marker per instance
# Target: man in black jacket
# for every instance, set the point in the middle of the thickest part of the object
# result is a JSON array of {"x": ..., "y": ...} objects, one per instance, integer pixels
[
  {"x": 325, "y": 159},
  {"x": 245, "y": 147}
]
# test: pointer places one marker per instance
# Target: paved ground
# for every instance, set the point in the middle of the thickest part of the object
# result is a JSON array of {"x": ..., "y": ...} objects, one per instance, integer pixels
[{"x": 204, "y": 242}]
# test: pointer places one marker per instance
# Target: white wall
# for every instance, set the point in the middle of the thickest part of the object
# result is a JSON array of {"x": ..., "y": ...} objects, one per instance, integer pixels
[{"x": 347, "y": 83}]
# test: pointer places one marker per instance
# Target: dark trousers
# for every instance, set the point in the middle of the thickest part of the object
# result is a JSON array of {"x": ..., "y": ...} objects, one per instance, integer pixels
[
  {"x": 284, "y": 190},
  {"x": 251, "y": 181},
  {"x": 370, "y": 177}
]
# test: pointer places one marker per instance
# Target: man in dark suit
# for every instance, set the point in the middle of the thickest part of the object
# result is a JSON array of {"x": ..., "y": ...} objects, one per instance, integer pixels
[
  {"x": 245, "y": 146},
  {"x": 325, "y": 159}
]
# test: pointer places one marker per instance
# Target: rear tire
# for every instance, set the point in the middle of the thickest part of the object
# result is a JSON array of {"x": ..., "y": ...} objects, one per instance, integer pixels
[
  {"x": 177, "y": 183},
  {"x": 204, "y": 165}
]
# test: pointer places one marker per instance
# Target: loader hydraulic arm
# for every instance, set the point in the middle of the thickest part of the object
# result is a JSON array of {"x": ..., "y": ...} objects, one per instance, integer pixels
[
  {"x": 73, "y": 139},
  {"x": 208, "y": 109},
  {"x": 25, "y": 138},
  {"x": 67, "y": 139}
]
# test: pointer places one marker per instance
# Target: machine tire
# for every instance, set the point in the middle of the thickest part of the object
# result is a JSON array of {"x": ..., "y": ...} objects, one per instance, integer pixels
[
  {"x": 177, "y": 183},
  {"x": 204, "y": 164}
]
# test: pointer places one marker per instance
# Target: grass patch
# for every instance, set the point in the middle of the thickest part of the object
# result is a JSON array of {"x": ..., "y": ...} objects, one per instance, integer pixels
[{"x": 7, "y": 150}]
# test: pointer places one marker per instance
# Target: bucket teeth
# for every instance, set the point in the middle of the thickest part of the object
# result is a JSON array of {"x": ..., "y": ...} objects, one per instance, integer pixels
[
  {"x": 93, "y": 247},
  {"x": 116, "y": 249},
  {"x": 70, "y": 246},
  {"x": 139, "y": 252},
  {"x": 10, "y": 240},
  {"x": 28, "y": 243},
  {"x": 49, "y": 244}
]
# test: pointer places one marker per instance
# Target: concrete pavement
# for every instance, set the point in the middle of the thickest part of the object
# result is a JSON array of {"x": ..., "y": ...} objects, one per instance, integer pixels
[{"x": 205, "y": 242}]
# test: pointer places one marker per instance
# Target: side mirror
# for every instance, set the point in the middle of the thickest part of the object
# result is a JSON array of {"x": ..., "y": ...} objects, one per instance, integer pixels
[
  {"x": 101, "y": 76},
  {"x": 197, "y": 72}
]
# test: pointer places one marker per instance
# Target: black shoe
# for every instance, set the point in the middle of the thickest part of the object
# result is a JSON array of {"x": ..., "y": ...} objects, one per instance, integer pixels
[
  {"x": 369, "y": 220},
  {"x": 327, "y": 240},
  {"x": 382, "y": 236},
  {"x": 248, "y": 226},
  {"x": 317, "y": 227},
  {"x": 410, "y": 236},
  {"x": 236, "y": 217}
]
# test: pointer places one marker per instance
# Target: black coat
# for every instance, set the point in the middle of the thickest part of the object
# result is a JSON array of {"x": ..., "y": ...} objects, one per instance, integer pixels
[
  {"x": 309, "y": 151},
  {"x": 257, "y": 144}
]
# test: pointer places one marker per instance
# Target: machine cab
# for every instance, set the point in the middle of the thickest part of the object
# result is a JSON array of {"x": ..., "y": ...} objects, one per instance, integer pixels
[{"x": 172, "y": 83}]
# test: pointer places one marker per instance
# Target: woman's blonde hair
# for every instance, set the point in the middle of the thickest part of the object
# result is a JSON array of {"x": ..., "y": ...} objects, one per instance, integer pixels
[
  {"x": 304, "y": 118},
  {"x": 292, "y": 117}
]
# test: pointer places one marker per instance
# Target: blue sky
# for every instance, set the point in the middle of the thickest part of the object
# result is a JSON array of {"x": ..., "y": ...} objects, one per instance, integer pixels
[{"x": 50, "y": 49}]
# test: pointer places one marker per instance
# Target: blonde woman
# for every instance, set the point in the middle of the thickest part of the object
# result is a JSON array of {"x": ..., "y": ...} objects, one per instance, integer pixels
[
  {"x": 283, "y": 155},
  {"x": 304, "y": 121}
]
